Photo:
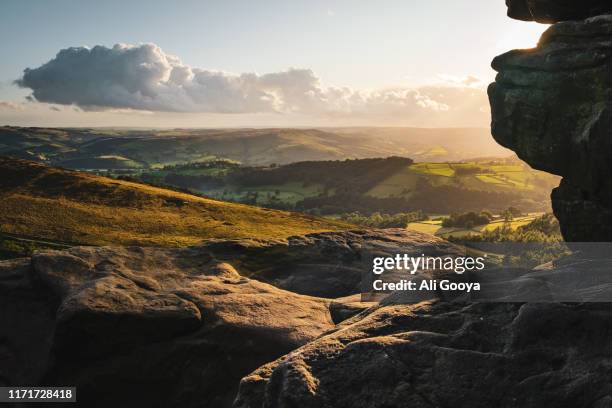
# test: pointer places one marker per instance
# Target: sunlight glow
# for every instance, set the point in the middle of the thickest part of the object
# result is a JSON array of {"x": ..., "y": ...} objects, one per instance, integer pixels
[{"x": 519, "y": 35}]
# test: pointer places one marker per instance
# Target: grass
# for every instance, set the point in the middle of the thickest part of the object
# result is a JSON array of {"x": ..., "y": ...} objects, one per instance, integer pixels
[
  {"x": 69, "y": 206},
  {"x": 436, "y": 228},
  {"x": 287, "y": 193},
  {"x": 397, "y": 184},
  {"x": 436, "y": 151},
  {"x": 489, "y": 179},
  {"x": 485, "y": 176},
  {"x": 435, "y": 169}
]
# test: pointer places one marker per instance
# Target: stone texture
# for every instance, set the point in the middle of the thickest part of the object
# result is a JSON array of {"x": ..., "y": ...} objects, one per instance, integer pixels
[
  {"x": 552, "y": 106},
  {"x": 148, "y": 327},
  {"x": 328, "y": 264},
  {"x": 552, "y": 11},
  {"x": 178, "y": 327},
  {"x": 447, "y": 355},
  {"x": 181, "y": 327}
]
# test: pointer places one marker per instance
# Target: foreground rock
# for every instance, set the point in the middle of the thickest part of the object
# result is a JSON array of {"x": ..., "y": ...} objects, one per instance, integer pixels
[
  {"x": 551, "y": 105},
  {"x": 179, "y": 327},
  {"x": 552, "y": 11},
  {"x": 447, "y": 355},
  {"x": 328, "y": 264},
  {"x": 146, "y": 327}
]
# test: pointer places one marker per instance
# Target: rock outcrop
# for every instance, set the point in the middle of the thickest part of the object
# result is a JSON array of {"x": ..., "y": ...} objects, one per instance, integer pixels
[
  {"x": 552, "y": 105},
  {"x": 179, "y": 327},
  {"x": 327, "y": 264},
  {"x": 447, "y": 355},
  {"x": 146, "y": 327},
  {"x": 552, "y": 11}
]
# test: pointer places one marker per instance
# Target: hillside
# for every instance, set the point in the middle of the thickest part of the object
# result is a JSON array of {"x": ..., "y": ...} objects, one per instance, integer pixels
[
  {"x": 390, "y": 185},
  {"x": 82, "y": 148},
  {"x": 62, "y": 205}
]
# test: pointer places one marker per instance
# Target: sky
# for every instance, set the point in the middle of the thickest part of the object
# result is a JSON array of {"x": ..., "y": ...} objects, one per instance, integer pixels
[{"x": 195, "y": 63}]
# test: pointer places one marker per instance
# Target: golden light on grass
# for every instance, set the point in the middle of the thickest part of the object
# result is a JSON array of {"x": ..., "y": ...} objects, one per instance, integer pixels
[{"x": 101, "y": 211}]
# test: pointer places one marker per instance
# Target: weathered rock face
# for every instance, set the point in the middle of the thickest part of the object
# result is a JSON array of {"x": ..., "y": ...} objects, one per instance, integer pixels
[
  {"x": 552, "y": 105},
  {"x": 146, "y": 327},
  {"x": 328, "y": 264},
  {"x": 179, "y": 327},
  {"x": 447, "y": 355},
  {"x": 552, "y": 11}
]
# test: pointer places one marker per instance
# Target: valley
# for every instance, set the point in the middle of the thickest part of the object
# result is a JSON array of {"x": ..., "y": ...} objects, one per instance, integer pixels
[
  {"x": 179, "y": 187},
  {"x": 391, "y": 185}
]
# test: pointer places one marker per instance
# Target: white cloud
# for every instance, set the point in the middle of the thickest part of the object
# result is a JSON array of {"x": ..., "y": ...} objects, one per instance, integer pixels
[{"x": 144, "y": 78}]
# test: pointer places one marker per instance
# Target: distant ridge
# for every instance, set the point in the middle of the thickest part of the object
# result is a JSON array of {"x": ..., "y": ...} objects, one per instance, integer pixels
[{"x": 119, "y": 148}]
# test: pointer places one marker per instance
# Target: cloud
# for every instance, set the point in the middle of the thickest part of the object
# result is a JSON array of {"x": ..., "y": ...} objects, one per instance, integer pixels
[
  {"x": 471, "y": 81},
  {"x": 145, "y": 78},
  {"x": 7, "y": 105}
]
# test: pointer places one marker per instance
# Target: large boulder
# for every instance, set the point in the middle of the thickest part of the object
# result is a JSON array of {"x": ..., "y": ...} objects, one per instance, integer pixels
[
  {"x": 180, "y": 327},
  {"x": 447, "y": 355},
  {"x": 552, "y": 105},
  {"x": 552, "y": 11},
  {"x": 146, "y": 327}
]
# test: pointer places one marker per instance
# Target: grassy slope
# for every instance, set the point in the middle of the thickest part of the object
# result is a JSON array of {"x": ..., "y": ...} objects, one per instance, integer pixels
[
  {"x": 435, "y": 227},
  {"x": 489, "y": 177},
  {"x": 56, "y": 204}
]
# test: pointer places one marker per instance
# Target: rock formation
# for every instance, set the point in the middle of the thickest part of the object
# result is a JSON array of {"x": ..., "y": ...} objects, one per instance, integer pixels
[
  {"x": 552, "y": 11},
  {"x": 178, "y": 327},
  {"x": 147, "y": 327},
  {"x": 328, "y": 264},
  {"x": 552, "y": 106},
  {"x": 447, "y": 355}
]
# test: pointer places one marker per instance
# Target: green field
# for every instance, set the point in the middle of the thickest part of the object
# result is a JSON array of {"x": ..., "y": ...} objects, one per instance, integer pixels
[
  {"x": 388, "y": 185},
  {"x": 289, "y": 193},
  {"x": 434, "y": 227},
  {"x": 475, "y": 175}
]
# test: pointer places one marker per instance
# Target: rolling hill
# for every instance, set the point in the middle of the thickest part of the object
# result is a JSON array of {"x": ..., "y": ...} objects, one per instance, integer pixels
[
  {"x": 67, "y": 206},
  {"x": 389, "y": 185},
  {"x": 87, "y": 149}
]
